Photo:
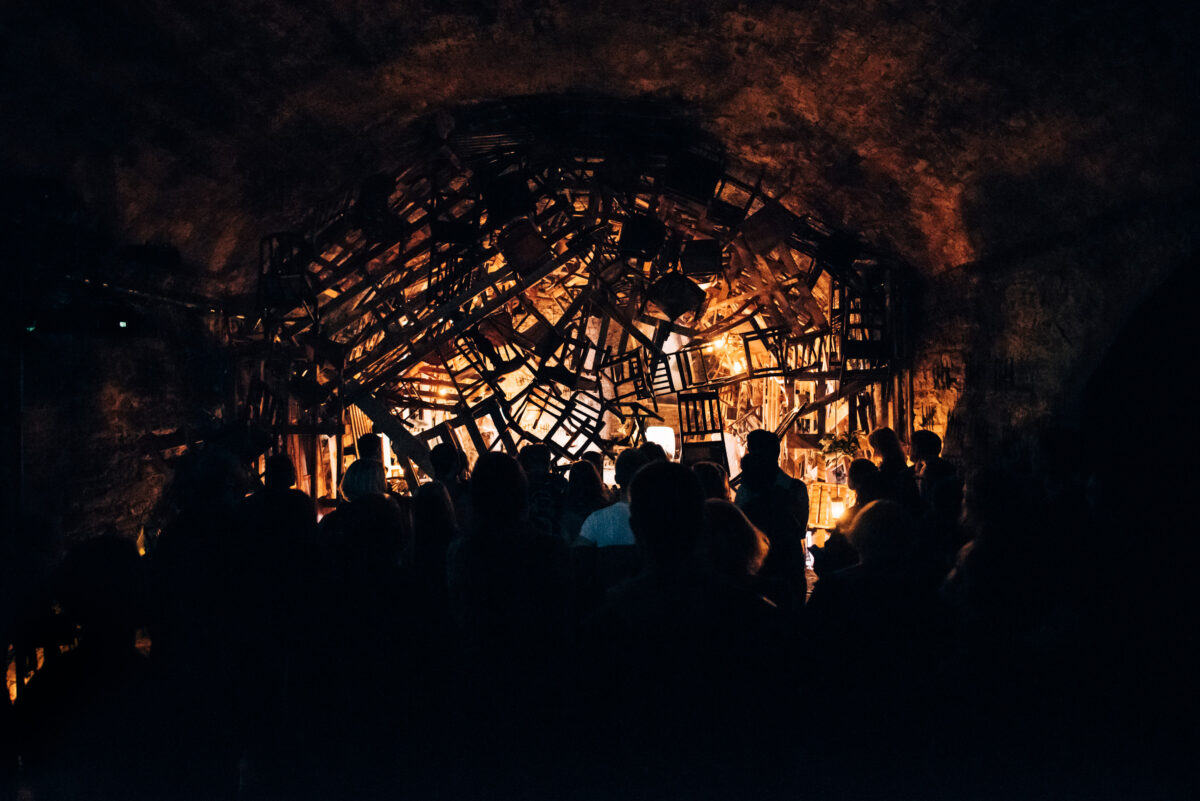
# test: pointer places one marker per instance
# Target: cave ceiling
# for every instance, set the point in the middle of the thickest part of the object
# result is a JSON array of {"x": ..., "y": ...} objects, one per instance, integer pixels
[{"x": 941, "y": 131}]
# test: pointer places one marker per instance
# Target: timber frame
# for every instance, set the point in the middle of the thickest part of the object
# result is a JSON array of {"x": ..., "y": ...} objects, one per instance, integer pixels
[{"x": 557, "y": 270}]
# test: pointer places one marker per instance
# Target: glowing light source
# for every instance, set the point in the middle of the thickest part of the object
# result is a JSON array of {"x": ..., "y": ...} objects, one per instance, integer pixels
[
  {"x": 837, "y": 508},
  {"x": 664, "y": 436}
]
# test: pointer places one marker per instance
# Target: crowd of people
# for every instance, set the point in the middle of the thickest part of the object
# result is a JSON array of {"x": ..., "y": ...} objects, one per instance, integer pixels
[{"x": 513, "y": 630}]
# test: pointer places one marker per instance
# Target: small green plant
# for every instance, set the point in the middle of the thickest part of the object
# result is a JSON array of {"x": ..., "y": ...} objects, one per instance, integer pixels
[{"x": 847, "y": 444}]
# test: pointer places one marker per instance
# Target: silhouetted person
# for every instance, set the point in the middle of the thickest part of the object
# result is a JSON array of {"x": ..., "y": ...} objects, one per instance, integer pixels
[
  {"x": 863, "y": 478},
  {"x": 547, "y": 491},
  {"x": 279, "y": 521},
  {"x": 356, "y": 691},
  {"x": 610, "y": 525},
  {"x": 195, "y": 583},
  {"x": 929, "y": 468},
  {"x": 434, "y": 528},
  {"x": 777, "y": 504},
  {"x": 837, "y": 553},
  {"x": 274, "y": 569},
  {"x": 361, "y": 543},
  {"x": 681, "y": 666},
  {"x": 762, "y": 448},
  {"x": 874, "y": 627},
  {"x": 510, "y": 592},
  {"x": 84, "y": 718},
  {"x": 714, "y": 480},
  {"x": 653, "y": 452},
  {"x": 585, "y": 495},
  {"x": 941, "y": 494},
  {"x": 450, "y": 468},
  {"x": 667, "y": 516},
  {"x": 363, "y": 478},
  {"x": 1007, "y": 597},
  {"x": 370, "y": 446},
  {"x": 1002, "y": 580},
  {"x": 896, "y": 479},
  {"x": 734, "y": 547},
  {"x": 595, "y": 458}
]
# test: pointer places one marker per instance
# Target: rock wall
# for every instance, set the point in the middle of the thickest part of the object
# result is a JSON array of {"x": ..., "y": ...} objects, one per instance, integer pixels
[
  {"x": 1006, "y": 345},
  {"x": 1029, "y": 158},
  {"x": 90, "y": 406}
]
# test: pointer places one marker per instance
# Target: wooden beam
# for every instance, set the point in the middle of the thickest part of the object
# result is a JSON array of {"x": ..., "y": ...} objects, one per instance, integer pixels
[{"x": 404, "y": 442}]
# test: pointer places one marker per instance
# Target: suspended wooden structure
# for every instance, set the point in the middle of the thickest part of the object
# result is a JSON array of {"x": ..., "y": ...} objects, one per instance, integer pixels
[{"x": 568, "y": 272}]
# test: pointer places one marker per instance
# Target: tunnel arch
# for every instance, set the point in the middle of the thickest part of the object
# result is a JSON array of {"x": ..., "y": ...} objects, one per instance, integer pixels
[{"x": 555, "y": 268}]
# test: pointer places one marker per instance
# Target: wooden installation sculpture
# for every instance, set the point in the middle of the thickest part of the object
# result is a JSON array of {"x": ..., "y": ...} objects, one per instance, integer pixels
[{"x": 534, "y": 274}]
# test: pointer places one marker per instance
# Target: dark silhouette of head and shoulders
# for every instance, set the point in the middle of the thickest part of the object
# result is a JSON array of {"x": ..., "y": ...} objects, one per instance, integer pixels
[
  {"x": 450, "y": 470},
  {"x": 778, "y": 504}
]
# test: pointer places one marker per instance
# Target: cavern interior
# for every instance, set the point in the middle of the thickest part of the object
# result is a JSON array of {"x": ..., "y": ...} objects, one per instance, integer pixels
[{"x": 551, "y": 399}]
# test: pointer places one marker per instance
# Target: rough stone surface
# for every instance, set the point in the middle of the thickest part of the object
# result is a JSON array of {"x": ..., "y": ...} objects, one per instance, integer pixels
[
  {"x": 90, "y": 405},
  {"x": 948, "y": 130},
  {"x": 1033, "y": 160}
]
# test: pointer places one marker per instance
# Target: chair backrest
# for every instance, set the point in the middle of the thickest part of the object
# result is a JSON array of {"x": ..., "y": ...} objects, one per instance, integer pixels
[
  {"x": 699, "y": 414},
  {"x": 627, "y": 374},
  {"x": 699, "y": 419}
]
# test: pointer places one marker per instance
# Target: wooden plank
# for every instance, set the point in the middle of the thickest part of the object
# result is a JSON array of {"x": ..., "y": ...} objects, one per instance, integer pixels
[
  {"x": 415, "y": 353},
  {"x": 404, "y": 442}
]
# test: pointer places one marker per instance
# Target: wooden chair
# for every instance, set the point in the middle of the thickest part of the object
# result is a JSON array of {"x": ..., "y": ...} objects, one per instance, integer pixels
[{"x": 699, "y": 419}]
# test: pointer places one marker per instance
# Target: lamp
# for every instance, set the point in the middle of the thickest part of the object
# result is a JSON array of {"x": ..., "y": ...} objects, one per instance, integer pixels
[
  {"x": 837, "y": 508},
  {"x": 664, "y": 436}
]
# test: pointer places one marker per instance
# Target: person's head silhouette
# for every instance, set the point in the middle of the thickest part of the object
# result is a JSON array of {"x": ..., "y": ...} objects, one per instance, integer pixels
[
  {"x": 629, "y": 461},
  {"x": 370, "y": 446},
  {"x": 498, "y": 491},
  {"x": 714, "y": 479},
  {"x": 863, "y": 478},
  {"x": 735, "y": 546},
  {"x": 881, "y": 532},
  {"x": 886, "y": 445},
  {"x": 280, "y": 473},
  {"x": 666, "y": 513},
  {"x": 364, "y": 477},
  {"x": 926, "y": 445},
  {"x": 535, "y": 459},
  {"x": 447, "y": 461},
  {"x": 765, "y": 442}
]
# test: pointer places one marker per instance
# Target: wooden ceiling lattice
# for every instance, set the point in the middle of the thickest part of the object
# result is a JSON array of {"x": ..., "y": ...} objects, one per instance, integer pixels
[{"x": 568, "y": 265}]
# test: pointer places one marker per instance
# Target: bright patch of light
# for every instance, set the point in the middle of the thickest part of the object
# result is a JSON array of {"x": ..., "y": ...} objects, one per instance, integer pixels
[{"x": 664, "y": 436}]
